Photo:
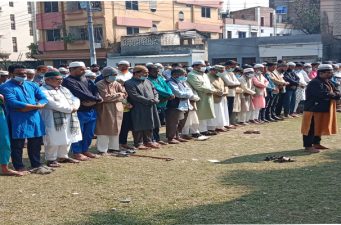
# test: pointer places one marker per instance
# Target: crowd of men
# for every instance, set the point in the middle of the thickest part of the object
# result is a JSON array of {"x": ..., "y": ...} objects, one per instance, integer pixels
[{"x": 66, "y": 108}]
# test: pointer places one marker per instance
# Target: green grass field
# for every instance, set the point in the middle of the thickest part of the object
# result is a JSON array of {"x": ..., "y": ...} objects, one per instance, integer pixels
[{"x": 241, "y": 188}]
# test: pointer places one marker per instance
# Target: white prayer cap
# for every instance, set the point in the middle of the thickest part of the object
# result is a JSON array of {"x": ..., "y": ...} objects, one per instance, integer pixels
[
  {"x": 336, "y": 66},
  {"x": 291, "y": 64},
  {"x": 30, "y": 71},
  {"x": 307, "y": 65},
  {"x": 324, "y": 67},
  {"x": 258, "y": 66},
  {"x": 76, "y": 64},
  {"x": 198, "y": 62},
  {"x": 63, "y": 69},
  {"x": 337, "y": 75},
  {"x": 3, "y": 73},
  {"x": 124, "y": 62},
  {"x": 158, "y": 65},
  {"x": 149, "y": 64},
  {"x": 89, "y": 73},
  {"x": 219, "y": 67},
  {"x": 109, "y": 71},
  {"x": 189, "y": 68},
  {"x": 248, "y": 70}
]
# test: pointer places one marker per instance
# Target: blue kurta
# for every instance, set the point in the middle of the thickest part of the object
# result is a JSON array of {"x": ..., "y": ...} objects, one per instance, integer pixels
[
  {"x": 17, "y": 96},
  {"x": 5, "y": 149}
]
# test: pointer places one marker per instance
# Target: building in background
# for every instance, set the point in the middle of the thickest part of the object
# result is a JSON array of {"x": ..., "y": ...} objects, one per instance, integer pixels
[
  {"x": 17, "y": 30},
  {"x": 306, "y": 48},
  {"x": 285, "y": 10},
  {"x": 63, "y": 25},
  {"x": 163, "y": 47},
  {"x": 331, "y": 29},
  {"x": 255, "y": 22}
]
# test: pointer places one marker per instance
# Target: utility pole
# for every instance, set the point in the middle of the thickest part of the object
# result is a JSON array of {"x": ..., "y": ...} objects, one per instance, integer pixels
[{"x": 93, "y": 59}]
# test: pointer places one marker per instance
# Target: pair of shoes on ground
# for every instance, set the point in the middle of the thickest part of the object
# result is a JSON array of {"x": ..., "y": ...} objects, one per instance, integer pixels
[{"x": 42, "y": 170}]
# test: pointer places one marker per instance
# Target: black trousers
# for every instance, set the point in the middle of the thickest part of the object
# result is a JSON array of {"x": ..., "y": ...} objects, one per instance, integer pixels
[
  {"x": 33, "y": 150},
  {"x": 279, "y": 106},
  {"x": 126, "y": 126},
  {"x": 310, "y": 139},
  {"x": 230, "y": 103},
  {"x": 264, "y": 113},
  {"x": 143, "y": 136}
]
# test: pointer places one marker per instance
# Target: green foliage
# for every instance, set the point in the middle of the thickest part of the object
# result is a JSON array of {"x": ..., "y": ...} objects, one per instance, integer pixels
[
  {"x": 307, "y": 16},
  {"x": 33, "y": 51}
]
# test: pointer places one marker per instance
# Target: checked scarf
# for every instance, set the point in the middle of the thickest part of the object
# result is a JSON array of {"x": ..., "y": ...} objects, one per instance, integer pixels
[{"x": 59, "y": 118}]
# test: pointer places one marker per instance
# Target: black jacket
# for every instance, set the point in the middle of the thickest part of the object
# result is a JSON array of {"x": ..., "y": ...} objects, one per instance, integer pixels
[
  {"x": 291, "y": 77},
  {"x": 318, "y": 95}
]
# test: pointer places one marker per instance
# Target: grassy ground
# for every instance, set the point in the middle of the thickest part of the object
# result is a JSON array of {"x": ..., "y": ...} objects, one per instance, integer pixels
[{"x": 241, "y": 188}]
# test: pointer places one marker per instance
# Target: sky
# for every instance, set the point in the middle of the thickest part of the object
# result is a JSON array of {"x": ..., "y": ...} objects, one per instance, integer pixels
[{"x": 240, "y": 4}]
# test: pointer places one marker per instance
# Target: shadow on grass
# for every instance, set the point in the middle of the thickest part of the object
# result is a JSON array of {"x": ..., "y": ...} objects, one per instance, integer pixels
[
  {"x": 301, "y": 195},
  {"x": 256, "y": 158}
]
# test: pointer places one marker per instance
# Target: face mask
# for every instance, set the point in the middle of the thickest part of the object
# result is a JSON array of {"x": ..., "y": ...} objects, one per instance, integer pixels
[
  {"x": 259, "y": 72},
  {"x": 220, "y": 74},
  {"x": 143, "y": 78},
  {"x": 249, "y": 75},
  {"x": 19, "y": 79},
  {"x": 203, "y": 69},
  {"x": 230, "y": 70},
  {"x": 181, "y": 79},
  {"x": 309, "y": 70},
  {"x": 111, "y": 79},
  {"x": 161, "y": 70}
]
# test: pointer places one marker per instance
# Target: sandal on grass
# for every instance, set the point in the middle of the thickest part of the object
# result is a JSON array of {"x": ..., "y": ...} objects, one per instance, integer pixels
[
  {"x": 53, "y": 164},
  {"x": 41, "y": 170},
  {"x": 67, "y": 160}
]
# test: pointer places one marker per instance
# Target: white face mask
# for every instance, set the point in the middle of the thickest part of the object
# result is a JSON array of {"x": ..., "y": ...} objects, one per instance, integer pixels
[{"x": 203, "y": 69}]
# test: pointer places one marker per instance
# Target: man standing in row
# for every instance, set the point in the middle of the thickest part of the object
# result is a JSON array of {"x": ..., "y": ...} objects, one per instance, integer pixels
[
  {"x": 143, "y": 96},
  {"x": 88, "y": 94},
  {"x": 61, "y": 121},
  {"x": 23, "y": 102},
  {"x": 200, "y": 82},
  {"x": 109, "y": 112}
]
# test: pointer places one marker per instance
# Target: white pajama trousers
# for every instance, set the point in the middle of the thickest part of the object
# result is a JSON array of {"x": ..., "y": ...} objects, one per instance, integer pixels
[
  {"x": 56, "y": 151},
  {"x": 222, "y": 116},
  {"x": 192, "y": 124},
  {"x": 255, "y": 114},
  {"x": 203, "y": 126},
  {"x": 105, "y": 142},
  {"x": 245, "y": 116}
]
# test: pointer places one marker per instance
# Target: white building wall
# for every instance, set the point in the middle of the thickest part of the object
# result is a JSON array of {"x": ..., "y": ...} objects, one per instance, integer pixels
[
  {"x": 22, "y": 31},
  {"x": 298, "y": 51},
  {"x": 260, "y": 31}
]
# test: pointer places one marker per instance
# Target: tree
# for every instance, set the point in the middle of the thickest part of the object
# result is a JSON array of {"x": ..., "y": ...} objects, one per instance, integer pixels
[
  {"x": 306, "y": 16},
  {"x": 33, "y": 51}
]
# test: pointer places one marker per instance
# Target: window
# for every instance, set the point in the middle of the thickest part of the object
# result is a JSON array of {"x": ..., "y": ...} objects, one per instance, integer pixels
[
  {"x": 229, "y": 34},
  {"x": 154, "y": 28},
  {"x": 98, "y": 34},
  {"x": 253, "y": 34},
  {"x": 51, "y": 7},
  {"x": 11, "y": 4},
  {"x": 207, "y": 34},
  {"x": 262, "y": 21},
  {"x": 53, "y": 35},
  {"x": 30, "y": 24},
  {"x": 206, "y": 12},
  {"x": 181, "y": 16},
  {"x": 133, "y": 30},
  {"x": 81, "y": 33},
  {"x": 29, "y": 7},
  {"x": 241, "y": 34},
  {"x": 12, "y": 17},
  {"x": 152, "y": 5},
  {"x": 15, "y": 44},
  {"x": 271, "y": 19},
  {"x": 132, "y": 5}
]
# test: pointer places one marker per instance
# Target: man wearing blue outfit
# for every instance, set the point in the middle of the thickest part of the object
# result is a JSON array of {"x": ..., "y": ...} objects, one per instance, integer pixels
[
  {"x": 88, "y": 94},
  {"x": 23, "y": 99}
]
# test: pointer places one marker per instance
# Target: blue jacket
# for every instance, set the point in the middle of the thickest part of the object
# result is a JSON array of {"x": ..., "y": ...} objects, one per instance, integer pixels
[{"x": 23, "y": 124}]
